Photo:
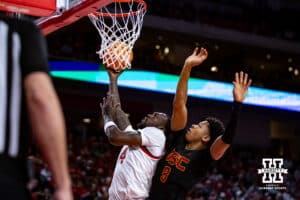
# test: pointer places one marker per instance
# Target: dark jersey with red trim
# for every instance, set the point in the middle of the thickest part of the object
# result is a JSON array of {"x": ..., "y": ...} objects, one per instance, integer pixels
[
  {"x": 22, "y": 51},
  {"x": 179, "y": 169}
]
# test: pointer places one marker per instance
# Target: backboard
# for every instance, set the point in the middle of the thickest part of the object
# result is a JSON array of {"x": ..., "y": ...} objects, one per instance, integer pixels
[
  {"x": 69, "y": 11},
  {"x": 54, "y": 14},
  {"x": 29, "y": 7}
]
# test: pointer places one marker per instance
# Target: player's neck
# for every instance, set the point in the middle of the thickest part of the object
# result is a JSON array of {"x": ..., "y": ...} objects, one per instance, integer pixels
[{"x": 195, "y": 146}]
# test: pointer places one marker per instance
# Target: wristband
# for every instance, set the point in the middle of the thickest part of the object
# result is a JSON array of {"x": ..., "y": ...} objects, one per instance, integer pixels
[{"x": 108, "y": 124}]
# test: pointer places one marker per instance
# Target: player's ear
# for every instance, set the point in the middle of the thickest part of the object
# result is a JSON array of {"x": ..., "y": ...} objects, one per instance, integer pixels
[{"x": 206, "y": 138}]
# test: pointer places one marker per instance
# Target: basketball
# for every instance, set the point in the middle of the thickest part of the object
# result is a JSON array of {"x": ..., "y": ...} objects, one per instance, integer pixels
[{"x": 118, "y": 56}]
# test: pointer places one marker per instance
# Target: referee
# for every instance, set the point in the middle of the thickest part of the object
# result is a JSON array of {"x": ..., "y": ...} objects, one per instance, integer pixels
[{"x": 28, "y": 104}]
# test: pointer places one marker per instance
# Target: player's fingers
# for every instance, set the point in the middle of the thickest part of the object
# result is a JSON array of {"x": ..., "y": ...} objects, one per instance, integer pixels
[
  {"x": 245, "y": 79},
  {"x": 234, "y": 83},
  {"x": 236, "y": 77},
  {"x": 241, "y": 77},
  {"x": 201, "y": 51},
  {"x": 249, "y": 82},
  {"x": 117, "y": 105},
  {"x": 108, "y": 101},
  {"x": 205, "y": 52},
  {"x": 111, "y": 102},
  {"x": 195, "y": 51}
]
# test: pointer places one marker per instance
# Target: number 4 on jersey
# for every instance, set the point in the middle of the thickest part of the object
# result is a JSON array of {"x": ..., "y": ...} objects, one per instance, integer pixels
[{"x": 123, "y": 155}]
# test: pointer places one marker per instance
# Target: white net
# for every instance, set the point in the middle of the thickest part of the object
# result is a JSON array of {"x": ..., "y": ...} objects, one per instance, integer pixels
[{"x": 119, "y": 26}]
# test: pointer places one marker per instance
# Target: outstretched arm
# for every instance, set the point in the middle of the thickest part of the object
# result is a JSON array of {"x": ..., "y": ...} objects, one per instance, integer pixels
[
  {"x": 119, "y": 116},
  {"x": 116, "y": 136},
  {"x": 113, "y": 86},
  {"x": 179, "y": 115},
  {"x": 222, "y": 143}
]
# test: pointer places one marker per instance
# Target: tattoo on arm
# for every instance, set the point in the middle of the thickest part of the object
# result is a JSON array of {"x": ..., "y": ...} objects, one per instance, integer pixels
[{"x": 121, "y": 118}]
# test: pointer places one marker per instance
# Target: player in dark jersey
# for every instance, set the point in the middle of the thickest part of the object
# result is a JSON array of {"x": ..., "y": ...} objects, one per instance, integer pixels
[
  {"x": 28, "y": 102},
  {"x": 191, "y": 151}
]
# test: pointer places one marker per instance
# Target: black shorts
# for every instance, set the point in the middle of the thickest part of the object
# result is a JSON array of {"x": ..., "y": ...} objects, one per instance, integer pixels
[
  {"x": 12, "y": 190},
  {"x": 13, "y": 178},
  {"x": 167, "y": 192}
]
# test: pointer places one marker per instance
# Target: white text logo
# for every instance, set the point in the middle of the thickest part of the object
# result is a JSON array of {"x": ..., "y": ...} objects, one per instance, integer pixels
[{"x": 272, "y": 170}]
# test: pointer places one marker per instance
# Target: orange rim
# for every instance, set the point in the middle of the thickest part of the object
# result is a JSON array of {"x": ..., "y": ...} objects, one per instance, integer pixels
[{"x": 143, "y": 9}]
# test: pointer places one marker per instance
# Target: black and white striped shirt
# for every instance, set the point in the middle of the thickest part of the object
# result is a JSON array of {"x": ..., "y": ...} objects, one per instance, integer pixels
[{"x": 22, "y": 51}]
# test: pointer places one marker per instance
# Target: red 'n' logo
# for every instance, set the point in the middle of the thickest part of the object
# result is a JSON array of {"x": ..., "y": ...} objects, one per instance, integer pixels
[{"x": 123, "y": 155}]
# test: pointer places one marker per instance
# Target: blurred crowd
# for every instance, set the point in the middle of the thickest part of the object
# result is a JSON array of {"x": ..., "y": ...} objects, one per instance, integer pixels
[
  {"x": 270, "y": 18},
  {"x": 91, "y": 164},
  {"x": 92, "y": 159}
]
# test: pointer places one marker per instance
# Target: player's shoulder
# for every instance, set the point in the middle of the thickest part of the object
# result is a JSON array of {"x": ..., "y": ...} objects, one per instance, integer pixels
[
  {"x": 152, "y": 136},
  {"x": 154, "y": 133},
  {"x": 152, "y": 130}
]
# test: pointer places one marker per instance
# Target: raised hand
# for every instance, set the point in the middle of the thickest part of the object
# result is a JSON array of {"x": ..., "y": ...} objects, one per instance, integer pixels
[
  {"x": 107, "y": 108},
  {"x": 197, "y": 57},
  {"x": 113, "y": 74},
  {"x": 241, "y": 85},
  {"x": 113, "y": 111}
]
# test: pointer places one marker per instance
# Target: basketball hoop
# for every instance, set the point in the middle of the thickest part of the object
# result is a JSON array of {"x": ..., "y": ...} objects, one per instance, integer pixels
[{"x": 119, "y": 25}]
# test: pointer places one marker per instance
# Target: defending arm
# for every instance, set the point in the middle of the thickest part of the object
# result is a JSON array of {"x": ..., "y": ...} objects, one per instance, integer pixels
[
  {"x": 230, "y": 130},
  {"x": 223, "y": 142}
]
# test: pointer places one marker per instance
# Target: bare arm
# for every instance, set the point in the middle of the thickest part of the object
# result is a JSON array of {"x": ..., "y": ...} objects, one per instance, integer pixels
[
  {"x": 118, "y": 138},
  {"x": 222, "y": 143},
  {"x": 179, "y": 115},
  {"x": 114, "y": 134},
  {"x": 113, "y": 86},
  {"x": 48, "y": 129},
  {"x": 119, "y": 116}
]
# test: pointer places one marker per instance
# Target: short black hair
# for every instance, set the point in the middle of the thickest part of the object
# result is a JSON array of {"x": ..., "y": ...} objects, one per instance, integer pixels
[{"x": 216, "y": 128}]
